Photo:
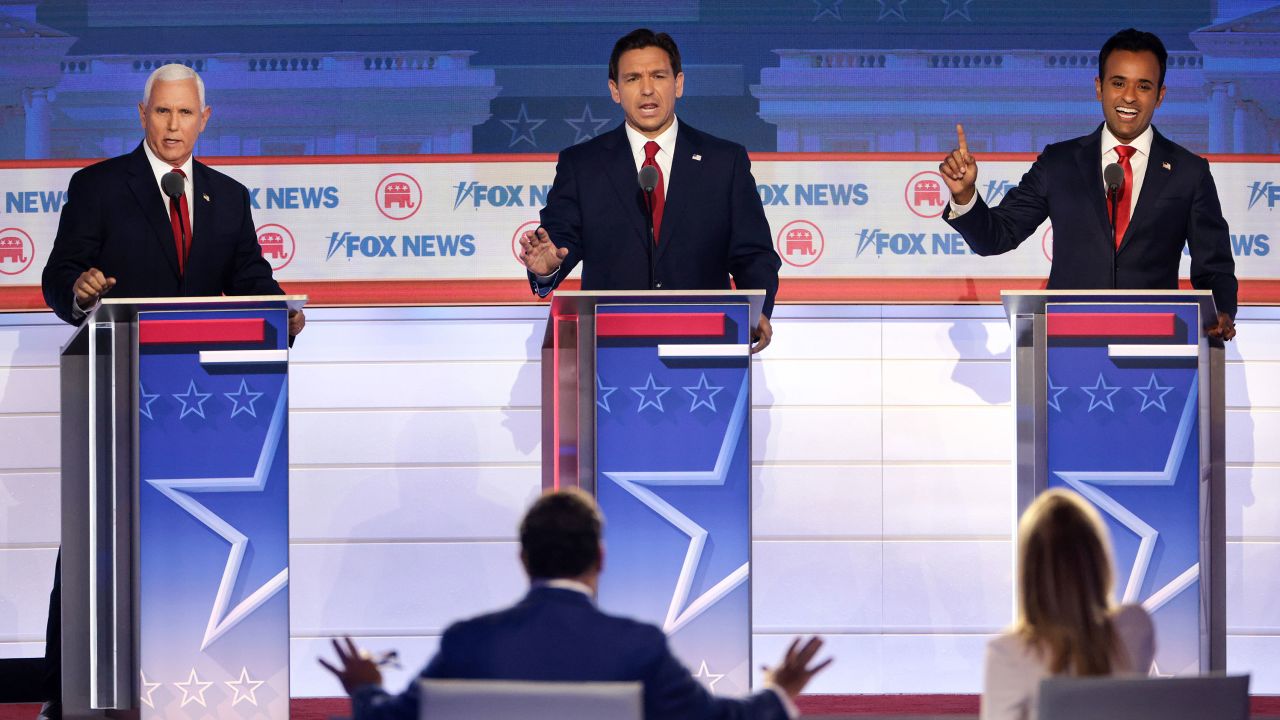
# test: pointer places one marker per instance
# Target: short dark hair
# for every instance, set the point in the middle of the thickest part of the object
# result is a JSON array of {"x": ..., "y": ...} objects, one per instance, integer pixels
[
  {"x": 643, "y": 38},
  {"x": 1133, "y": 40},
  {"x": 560, "y": 535}
]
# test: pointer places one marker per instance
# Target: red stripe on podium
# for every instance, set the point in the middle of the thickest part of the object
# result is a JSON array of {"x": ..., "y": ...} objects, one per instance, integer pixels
[
  {"x": 224, "y": 330},
  {"x": 660, "y": 325},
  {"x": 1116, "y": 324}
]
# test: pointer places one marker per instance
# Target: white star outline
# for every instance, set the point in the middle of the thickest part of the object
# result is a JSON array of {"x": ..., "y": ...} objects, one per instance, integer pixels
[
  {"x": 587, "y": 126},
  {"x": 1056, "y": 392},
  {"x": 192, "y": 401},
  {"x": 147, "y": 689},
  {"x": 238, "y": 402},
  {"x": 703, "y": 394},
  {"x": 711, "y": 678},
  {"x": 176, "y": 489},
  {"x": 891, "y": 12},
  {"x": 238, "y": 687},
  {"x": 644, "y": 390},
  {"x": 144, "y": 401},
  {"x": 193, "y": 696},
  {"x": 602, "y": 394},
  {"x": 522, "y": 127},
  {"x": 1098, "y": 389},
  {"x": 1085, "y": 482},
  {"x": 635, "y": 482},
  {"x": 1153, "y": 394}
]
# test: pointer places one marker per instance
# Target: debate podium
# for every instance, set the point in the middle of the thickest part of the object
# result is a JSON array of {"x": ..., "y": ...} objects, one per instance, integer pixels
[
  {"x": 1120, "y": 397},
  {"x": 646, "y": 404},
  {"x": 175, "y": 508}
]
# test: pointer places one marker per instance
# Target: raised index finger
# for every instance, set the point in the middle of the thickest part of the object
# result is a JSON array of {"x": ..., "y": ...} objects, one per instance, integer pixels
[{"x": 964, "y": 146}]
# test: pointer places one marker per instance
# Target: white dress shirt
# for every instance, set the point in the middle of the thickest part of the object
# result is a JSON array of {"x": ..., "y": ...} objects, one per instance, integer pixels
[
  {"x": 666, "y": 150},
  {"x": 1011, "y": 683},
  {"x": 1138, "y": 163}
]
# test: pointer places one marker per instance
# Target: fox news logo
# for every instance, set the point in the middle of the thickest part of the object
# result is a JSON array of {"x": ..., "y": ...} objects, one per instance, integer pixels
[
  {"x": 884, "y": 243},
  {"x": 478, "y": 195},
  {"x": 1268, "y": 192},
  {"x": 30, "y": 202},
  {"x": 294, "y": 198},
  {"x": 996, "y": 190},
  {"x": 813, "y": 194},
  {"x": 353, "y": 245}
]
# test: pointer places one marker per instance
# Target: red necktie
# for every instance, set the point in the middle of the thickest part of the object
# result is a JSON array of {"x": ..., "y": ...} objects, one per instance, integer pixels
[
  {"x": 1122, "y": 207},
  {"x": 659, "y": 193},
  {"x": 180, "y": 220}
]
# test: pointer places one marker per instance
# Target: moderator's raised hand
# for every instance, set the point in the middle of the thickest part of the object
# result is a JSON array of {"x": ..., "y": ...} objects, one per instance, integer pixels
[
  {"x": 358, "y": 669},
  {"x": 794, "y": 673},
  {"x": 539, "y": 254},
  {"x": 959, "y": 170}
]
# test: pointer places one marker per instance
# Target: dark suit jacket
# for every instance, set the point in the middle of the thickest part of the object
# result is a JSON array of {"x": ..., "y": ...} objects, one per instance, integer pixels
[
  {"x": 1178, "y": 207},
  {"x": 116, "y": 220},
  {"x": 558, "y": 635},
  {"x": 713, "y": 224}
]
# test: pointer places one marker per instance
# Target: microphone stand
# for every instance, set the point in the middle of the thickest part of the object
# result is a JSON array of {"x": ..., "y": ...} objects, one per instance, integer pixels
[
  {"x": 1113, "y": 205},
  {"x": 648, "y": 206}
]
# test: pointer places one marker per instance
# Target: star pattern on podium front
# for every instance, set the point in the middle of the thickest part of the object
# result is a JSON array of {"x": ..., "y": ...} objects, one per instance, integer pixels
[
  {"x": 145, "y": 692},
  {"x": 602, "y": 394},
  {"x": 650, "y": 394},
  {"x": 144, "y": 401},
  {"x": 192, "y": 401},
  {"x": 704, "y": 395},
  {"x": 244, "y": 688},
  {"x": 706, "y": 677},
  {"x": 193, "y": 689},
  {"x": 242, "y": 400},
  {"x": 1153, "y": 394},
  {"x": 1100, "y": 394},
  {"x": 1055, "y": 392}
]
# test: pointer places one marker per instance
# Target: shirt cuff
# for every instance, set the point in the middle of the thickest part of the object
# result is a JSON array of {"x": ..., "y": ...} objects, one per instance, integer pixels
[
  {"x": 958, "y": 210},
  {"x": 77, "y": 312},
  {"x": 792, "y": 711},
  {"x": 544, "y": 284}
]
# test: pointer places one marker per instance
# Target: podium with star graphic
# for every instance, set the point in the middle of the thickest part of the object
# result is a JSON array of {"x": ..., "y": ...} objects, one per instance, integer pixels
[
  {"x": 175, "y": 490},
  {"x": 647, "y": 405},
  {"x": 1120, "y": 398}
]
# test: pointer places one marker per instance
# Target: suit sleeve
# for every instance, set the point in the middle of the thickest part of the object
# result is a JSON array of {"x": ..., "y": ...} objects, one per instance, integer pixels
[
  {"x": 562, "y": 219},
  {"x": 753, "y": 262},
  {"x": 75, "y": 247},
  {"x": 992, "y": 231},
  {"x": 1003, "y": 694},
  {"x": 671, "y": 692},
  {"x": 1212, "y": 265},
  {"x": 250, "y": 273}
]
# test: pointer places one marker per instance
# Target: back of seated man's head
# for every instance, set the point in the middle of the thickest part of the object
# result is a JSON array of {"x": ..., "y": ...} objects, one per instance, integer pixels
[{"x": 560, "y": 536}]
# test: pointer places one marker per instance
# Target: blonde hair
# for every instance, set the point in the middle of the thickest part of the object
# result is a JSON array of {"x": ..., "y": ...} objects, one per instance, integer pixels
[
  {"x": 170, "y": 73},
  {"x": 1064, "y": 586}
]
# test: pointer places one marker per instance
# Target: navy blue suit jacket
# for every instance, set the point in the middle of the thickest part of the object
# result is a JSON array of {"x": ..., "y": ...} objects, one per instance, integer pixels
[
  {"x": 1178, "y": 207},
  {"x": 116, "y": 220},
  {"x": 559, "y": 635},
  {"x": 713, "y": 225}
]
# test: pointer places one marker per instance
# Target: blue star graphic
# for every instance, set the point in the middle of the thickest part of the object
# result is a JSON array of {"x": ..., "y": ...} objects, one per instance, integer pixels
[
  {"x": 587, "y": 126},
  {"x": 1055, "y": 391},
  {"x": 956, "y": 8},
  {"x": 243, "y": 399},
  {"x": 602, "y": 394},
  {"x": 222, "y": 619},
  {"x": 522, "y": 127},
  {"x": 681, "y": 610},
  {"x": 704, "y": 395},
  {"x": 144, "y": 402},
  {"x": 827, "y": 7},
  {"x": 192, "y": 401},
  {"x": 1153, "y": 394},
  {"x": 1086, "y": 483},
  {"x": 650, "y": 394},
  {"x": 892, "y": 9},
  {"x": 1094, "y": 394}
]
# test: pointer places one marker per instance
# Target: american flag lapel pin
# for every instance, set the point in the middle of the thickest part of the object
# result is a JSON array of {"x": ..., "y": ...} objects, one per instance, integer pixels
[
  {"x": 1167, "y": 166},
  {"x": 698, "y": 158},
  {"x": 205, "y": 196}
]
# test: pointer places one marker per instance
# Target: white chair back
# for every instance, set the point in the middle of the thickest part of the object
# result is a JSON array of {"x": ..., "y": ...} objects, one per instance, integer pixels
[{"x": 1182, "y": 698}]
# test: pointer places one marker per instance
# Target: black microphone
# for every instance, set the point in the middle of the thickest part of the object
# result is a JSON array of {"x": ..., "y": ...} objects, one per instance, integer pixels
[
  {"x": 648, "y": 178},
  {"x": 1113, "y": 177},
  {"x": 174, "y": 184}
]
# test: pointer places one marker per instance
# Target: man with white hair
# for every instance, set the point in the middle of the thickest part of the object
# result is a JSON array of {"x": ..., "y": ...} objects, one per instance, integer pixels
[{"x": 120, "y": 232}]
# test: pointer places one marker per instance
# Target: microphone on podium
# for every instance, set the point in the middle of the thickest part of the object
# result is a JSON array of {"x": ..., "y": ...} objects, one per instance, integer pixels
[
  {"x": 1113, "y": 179},
  {"x": 648, "y": 178},
  {"x": 173, "y": 184}
]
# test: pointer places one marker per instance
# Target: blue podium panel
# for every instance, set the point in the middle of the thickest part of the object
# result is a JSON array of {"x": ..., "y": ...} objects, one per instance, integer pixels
[
  {"x": 213, "y": 498},
  {"x": 673, "y": 478},
  {"x": 1124, "y": 431}
]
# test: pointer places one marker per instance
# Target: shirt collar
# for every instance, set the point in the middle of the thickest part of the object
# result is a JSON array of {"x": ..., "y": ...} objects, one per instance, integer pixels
[
  {"x": 1142, "y": 143},
  {"x": 160, "y": 167},
  {"x": 565, "y": 584},
  {"x": 666, "y": 141}
]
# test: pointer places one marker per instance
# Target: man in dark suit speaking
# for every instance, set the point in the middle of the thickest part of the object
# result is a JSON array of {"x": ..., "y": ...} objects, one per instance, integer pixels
[
  {"x": 556, "y": 633},
  {"x": 1129, "y": 237},
  {"x": 120, "y": 232},
  {"x": 705, "y": 214}
]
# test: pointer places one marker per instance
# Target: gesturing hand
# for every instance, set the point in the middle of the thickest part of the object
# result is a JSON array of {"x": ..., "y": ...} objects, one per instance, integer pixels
[
  {"x": 794, "y": 672},
  {"x": 358, "y": 668},
  {"x": 90, "y": 286},
  {"x": 959, "y": 170},
  {"x": 1224, "y": 329},
  {"x": 539, "y": 254}
]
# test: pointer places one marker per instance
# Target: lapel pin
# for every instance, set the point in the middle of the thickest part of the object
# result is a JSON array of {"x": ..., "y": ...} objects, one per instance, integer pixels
[
  {"x": 1167, "y": 166},
  {"x": 698, "y": 158}
]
